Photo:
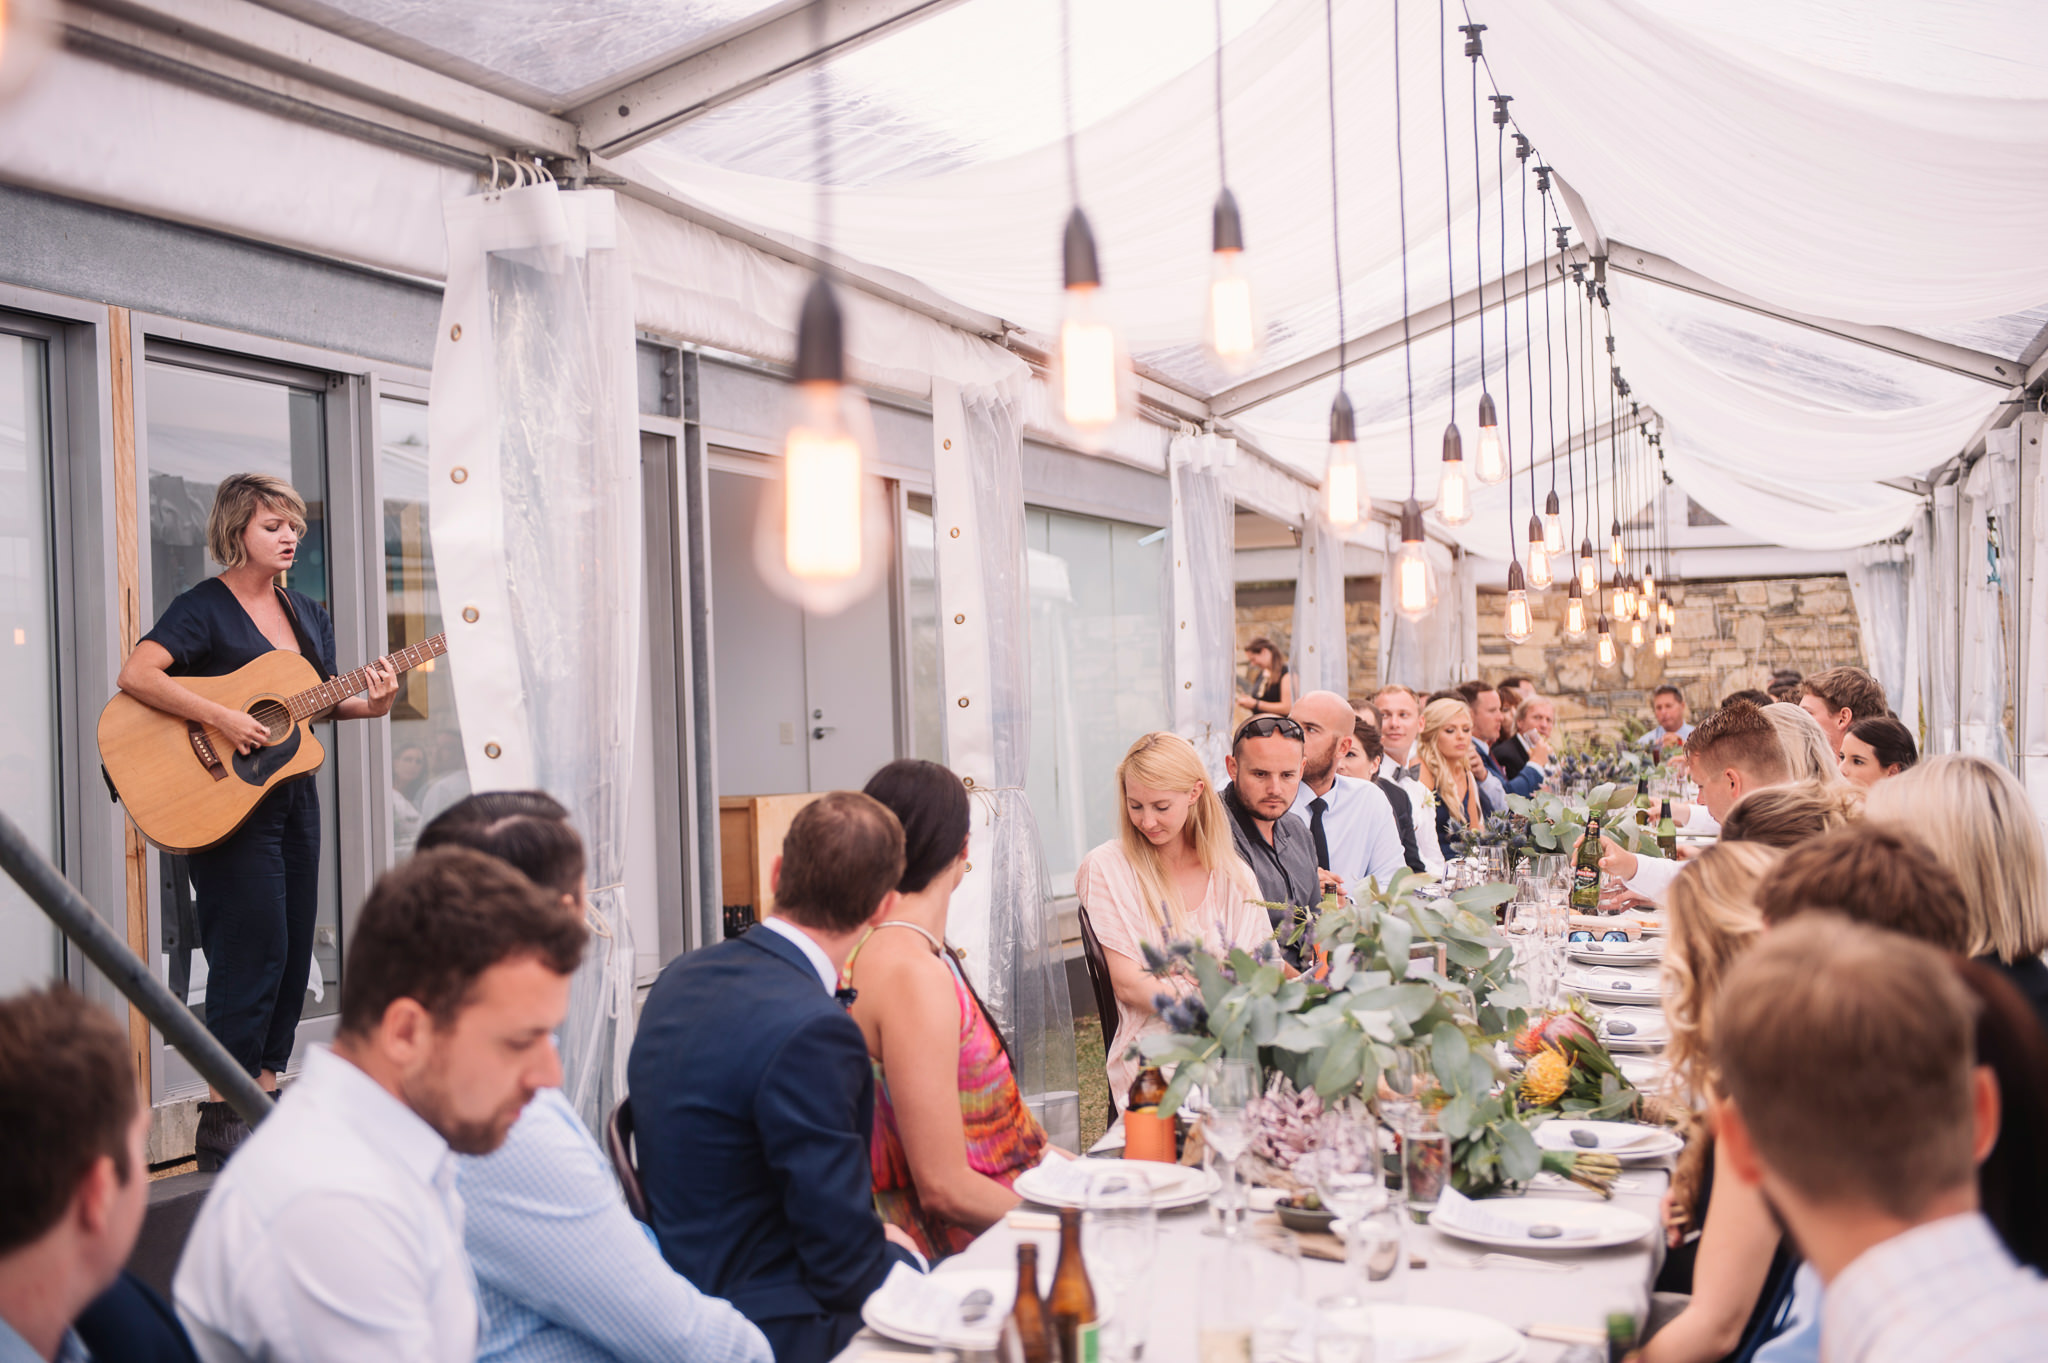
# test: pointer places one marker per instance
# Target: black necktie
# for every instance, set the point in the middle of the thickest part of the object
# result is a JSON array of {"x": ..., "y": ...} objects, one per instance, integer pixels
[{"x": 1315, "y": 828}]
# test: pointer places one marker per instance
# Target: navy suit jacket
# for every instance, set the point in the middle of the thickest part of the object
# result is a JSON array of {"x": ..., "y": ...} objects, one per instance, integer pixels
[
  {"x": 753, "y": 1100},
  {"x": 1526, "y": 781},
  {"x": 129, "y": 1323}
]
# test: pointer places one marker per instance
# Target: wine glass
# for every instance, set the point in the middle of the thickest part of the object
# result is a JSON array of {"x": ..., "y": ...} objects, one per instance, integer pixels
[
  {"x": 1119, "y": 1230},
  {"x": 1345, "y": 1168},
  {"x": 1224, "y": 1128}
]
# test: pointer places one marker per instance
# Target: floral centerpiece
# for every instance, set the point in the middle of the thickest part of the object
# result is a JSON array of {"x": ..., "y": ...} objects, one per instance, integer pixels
[
  {"x": 1374, "y": 1014},
  {"x": 1557, "y": 822}
]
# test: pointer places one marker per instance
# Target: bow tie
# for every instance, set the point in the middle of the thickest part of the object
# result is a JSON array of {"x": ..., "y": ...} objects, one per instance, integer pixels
[{"x": 1413, "y": 773}]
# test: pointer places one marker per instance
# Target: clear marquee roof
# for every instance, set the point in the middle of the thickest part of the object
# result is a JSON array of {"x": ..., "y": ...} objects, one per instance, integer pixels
[{"x": 1879, "y": 169}]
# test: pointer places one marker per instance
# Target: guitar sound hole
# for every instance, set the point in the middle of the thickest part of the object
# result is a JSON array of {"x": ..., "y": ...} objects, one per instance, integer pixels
[{"x": 273, "y": 716}]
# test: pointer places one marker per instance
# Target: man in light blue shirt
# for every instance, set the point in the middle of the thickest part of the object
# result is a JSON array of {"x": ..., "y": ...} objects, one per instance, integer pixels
[
  {"x": 1350, "y": 822},
  {"x": 1667, "y": 703}
]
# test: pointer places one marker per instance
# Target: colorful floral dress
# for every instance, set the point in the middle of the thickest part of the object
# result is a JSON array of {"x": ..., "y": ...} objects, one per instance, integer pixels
[{"x": 1003, "y": 1138}]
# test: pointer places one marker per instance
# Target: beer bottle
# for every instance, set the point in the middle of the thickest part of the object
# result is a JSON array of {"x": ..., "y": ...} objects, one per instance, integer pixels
[
  {"x": 1149, "y": 1088},
  {"x": 1643, "y": 800},
  {"x": 1034, "y": 1331},
  {"x": 1667, "y": 831},
  {"x": 1072, "y": 1300},
  {"x": 1586, "y": 869}
]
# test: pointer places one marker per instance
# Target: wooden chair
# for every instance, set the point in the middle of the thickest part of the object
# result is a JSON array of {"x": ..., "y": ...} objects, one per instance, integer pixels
[
  {"x": 1105, "y": 993},
  {"x": 618, "y": 1143}
]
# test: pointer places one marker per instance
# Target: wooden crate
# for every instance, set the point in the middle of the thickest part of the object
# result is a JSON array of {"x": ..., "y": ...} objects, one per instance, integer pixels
[{"x": 750, "y": 833}]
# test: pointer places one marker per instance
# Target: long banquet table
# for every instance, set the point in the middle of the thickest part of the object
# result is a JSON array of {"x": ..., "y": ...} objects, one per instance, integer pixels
[{"x": 1599, "y": 1280}]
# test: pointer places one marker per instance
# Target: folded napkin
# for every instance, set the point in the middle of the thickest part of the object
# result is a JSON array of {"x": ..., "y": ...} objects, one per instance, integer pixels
[
  {"x": 1611, "y": 1140},
  {"x": 929, "y": 1304},
  {"x": 1462, "y": 1213},
  {"x": 1062, "y": 1177}
]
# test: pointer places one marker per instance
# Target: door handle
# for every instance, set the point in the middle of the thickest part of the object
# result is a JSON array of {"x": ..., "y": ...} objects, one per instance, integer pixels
[{"x": 824, "y": 729}]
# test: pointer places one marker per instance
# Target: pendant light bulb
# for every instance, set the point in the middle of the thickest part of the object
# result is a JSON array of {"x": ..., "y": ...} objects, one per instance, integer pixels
[
  {"x": 1667, "y": 614},
  {"x": 1589, "y": 570},
  {"x": 1233, "y": 332},
  {"x": 1574, "y": 611},
  {"x": 1614, "y": 551},
  {"x": 1605, "y": 649},
  {"x": 1344, "y": 501},
  {"x": 1662, "y": 646},
  {"x": 1539, "y": 557},
  {"x": 1553, "y": 525},
  {"x": 1453, "y": 492},
  {"x": 822, "y": 458},
  {"x": 1635, "y": 634},
  {"x": 1617, "y": 595},
  {"x": 1645, "y": 607},
  {"x": 1090, "y": 360},
  {"x": 1414, "y": 576},
  {"x": 1492, "y": 464},
  {"x": 1649, "y": 582},
  {"x": 1516, "y": 623}
]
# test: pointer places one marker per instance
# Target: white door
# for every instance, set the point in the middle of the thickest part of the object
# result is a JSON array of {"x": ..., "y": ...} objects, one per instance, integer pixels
[{"x": 804, "y": 701}]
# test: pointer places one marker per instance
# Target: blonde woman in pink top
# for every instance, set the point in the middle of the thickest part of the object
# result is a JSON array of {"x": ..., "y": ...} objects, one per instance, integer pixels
[{"x": 1172, "y": 875}]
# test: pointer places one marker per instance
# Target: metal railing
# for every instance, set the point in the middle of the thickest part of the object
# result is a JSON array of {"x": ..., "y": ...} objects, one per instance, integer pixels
[{"x": 67, "y": 908}]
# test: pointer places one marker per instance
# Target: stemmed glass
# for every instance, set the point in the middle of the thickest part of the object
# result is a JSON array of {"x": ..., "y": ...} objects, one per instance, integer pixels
[
  {"x": 1118, "y": 1232},
  {"x": 1345, "y": 1167},
  {"x": 1224, "y": 1129}
]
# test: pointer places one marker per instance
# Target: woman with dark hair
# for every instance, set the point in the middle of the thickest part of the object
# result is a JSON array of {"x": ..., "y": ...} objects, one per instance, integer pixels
[
  {"x": 1274, "y": 694},
  {"x": 1875, "y": 748},
  {"x": 951, "y": 1130}
]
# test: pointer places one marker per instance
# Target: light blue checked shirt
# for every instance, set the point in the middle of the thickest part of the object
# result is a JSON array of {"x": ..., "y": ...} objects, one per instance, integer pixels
[{"x": 565, "y": 1274}]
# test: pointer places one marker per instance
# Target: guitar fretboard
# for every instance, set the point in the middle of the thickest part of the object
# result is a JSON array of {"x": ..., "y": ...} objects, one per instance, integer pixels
[{"x": 337, "y": 689}]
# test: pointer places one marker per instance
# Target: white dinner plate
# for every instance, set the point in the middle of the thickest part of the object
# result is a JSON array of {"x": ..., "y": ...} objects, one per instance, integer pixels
[
  {"x": 927, "y": 1313},
  {"x": 1649, "y": 1030},
  {"x": 1508, "y": 1220},
  {"x": 1173, "y": 1185},
  {"x": 1628, "y": 1142},
  {"x": 1438, "y": 1334},
  {"x": 1604, "y": 985},
  {"x": 1637, "y": 953},
  {"x": 1648, "y": 1073}
]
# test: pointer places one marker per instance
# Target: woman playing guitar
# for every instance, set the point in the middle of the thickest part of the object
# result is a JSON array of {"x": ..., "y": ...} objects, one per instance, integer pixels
[{"x": 256, "y": 893}]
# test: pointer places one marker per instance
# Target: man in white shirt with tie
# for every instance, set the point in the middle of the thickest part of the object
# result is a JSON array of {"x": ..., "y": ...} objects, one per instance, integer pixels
[
  {"x": 1350, "y": 823},
  {"x": 1400, "y": 724},
  {"x": 335, "y": 1233}
]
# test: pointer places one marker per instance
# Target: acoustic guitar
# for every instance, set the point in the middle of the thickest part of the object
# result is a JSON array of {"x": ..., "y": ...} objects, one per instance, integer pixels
[{"x": 184, "y": 784}]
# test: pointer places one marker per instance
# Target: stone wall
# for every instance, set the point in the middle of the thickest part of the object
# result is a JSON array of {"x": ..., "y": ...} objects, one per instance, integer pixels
[{"x": 1729, "y": 635}]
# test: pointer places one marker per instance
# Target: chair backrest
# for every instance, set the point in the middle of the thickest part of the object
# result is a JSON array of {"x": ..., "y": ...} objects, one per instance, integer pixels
[
  {"x": 1105, "y": 992},
  {"x": 618, "y": 1143}
]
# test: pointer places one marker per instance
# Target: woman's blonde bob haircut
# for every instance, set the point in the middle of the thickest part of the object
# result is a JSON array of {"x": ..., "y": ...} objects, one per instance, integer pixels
[
  {"x": 239, "y": 499},
  {"x": 1808, "y": 754},
  {"x": 1974, "y": 816},
  {"x": 1166, "y": 761},
  {"x": 1714, "y": 919}
]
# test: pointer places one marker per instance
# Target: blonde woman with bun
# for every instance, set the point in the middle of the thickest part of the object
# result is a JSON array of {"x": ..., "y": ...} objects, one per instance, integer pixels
[
  {"x": 1807, "y": 750},
  {"x": 1975, "y": 817},
  {"x": 1714, "y": 919},
  {"x": 1171, "y": 875},
  {"x": 1444, "y": 752}
]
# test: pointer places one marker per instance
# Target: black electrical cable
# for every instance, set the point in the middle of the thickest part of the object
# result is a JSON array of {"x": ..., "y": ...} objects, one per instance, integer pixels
[
  {"x": 1336, "y": 233},
  {"x": 1549, "y": 378},
  {"x": 1507, "y": 357},
  {"x": 1401, "y": 202},
  {"x": 1522, "y": 150},
  {"x": 1443, "y": 105},
  {"x": 1067, "y": 98},
  {"x": 1472, "y": 46},
  {"x": 1222, "y": 167}
]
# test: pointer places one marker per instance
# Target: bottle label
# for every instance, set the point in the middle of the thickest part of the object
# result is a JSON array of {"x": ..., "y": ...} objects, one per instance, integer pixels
[{"x": 1087, "y": 1343}]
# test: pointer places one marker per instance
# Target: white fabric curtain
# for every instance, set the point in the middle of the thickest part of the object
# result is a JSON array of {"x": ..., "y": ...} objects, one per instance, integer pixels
[
  {"x": 535, "y": 506},
  {"x": 1990, "y": 501},
  {"x": 1879, "y": 587},
  {"x": 1202, "y": 536},
  {"x": 1944, "y": 622},
  {"x": 1321, "y": 652},
  {"x": 2031, "y": 538},
  {"x": 1002, "y": 914}
]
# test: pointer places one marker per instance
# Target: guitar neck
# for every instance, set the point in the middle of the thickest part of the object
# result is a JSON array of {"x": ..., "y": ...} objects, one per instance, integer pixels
[{"x": 336, "y": 689}]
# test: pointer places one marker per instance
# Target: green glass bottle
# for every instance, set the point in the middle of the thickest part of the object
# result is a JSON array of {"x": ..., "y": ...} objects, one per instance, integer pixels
[
  {"x": 1586, "y": 869},
  {"x": 1667, "y": 831}
]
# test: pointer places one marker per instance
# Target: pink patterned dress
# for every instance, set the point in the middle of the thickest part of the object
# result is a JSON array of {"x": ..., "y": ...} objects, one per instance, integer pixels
[{"x": 1003, "y": 1138}]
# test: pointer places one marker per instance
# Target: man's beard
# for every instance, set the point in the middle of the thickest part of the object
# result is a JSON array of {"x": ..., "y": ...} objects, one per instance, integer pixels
[
  {"x": 465, "y": 1136},
  {"x": 1316, "y": 770}
]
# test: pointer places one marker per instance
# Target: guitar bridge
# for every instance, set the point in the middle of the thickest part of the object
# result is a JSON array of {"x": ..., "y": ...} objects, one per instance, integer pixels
[{"x": 202, "y": 747}]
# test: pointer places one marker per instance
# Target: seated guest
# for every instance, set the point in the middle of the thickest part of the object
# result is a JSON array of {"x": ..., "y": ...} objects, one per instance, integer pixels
[
  {"x": 1445, "y": 758},
  {"x": 1265, "y": 764},
  {"x": 951, "y": 1130},
  {"x": 1400, "y": 727},
  {"x": 1535, "y": 719},
  {"x": 753, "y": 1096},
  {"x": 1874, "y": 749},
  {"x": 1784, "y": 685},
  {"x": 1362, "y": 763},
  {"x": 563, "y": 1271},
  {"x": 1876, "y": 875},
  {"x": 1785, "y": 816},
  {"x": 1839, "y": 697},
  {"x": 1975, "y": 817},
  {"x": 1750, "y": 694},
  {"x": 1489, "y": 725},
  {"x": 1808, "y": 754},
  {"x": 1350, "y": 824},
  {"x": 1171, "y": 875},
  {"x": 1273, "y": 691},
  {"x": 1667, "y": 704},
  {"x": 1514, "y": 690},
  {"x": 1368, "y": 713},
  {"x": 335, "y": 1232},
  {"x": 73, "y": 1188},
  {"x": 1732, "y": 752},
  {"x": 1714, "y": 921},
  {"x": 1865, "y": 1138}
]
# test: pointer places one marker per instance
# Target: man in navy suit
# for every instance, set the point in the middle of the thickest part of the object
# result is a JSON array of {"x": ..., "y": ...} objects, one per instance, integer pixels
[
  {"x": 73, "y": 1189},
  {"x": 753, "y": 1098}
]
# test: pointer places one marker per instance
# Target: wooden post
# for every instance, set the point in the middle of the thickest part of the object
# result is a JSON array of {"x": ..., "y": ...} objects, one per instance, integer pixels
[{"x": 128, "y": 578}]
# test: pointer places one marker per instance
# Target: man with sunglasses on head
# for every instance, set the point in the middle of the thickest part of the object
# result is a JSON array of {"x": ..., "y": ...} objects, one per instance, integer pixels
[{"x": 1265, "y": 771}]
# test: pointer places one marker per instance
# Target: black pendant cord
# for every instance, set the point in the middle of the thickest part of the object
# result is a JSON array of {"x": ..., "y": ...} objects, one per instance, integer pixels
[
  {"x": 1507, "y": 356},
  {"x": 1587, "y": 396},
  {"x": 1222, "y": 166},
  {"x": 1401, "y": 203},
  {"x": 1528, "y": 326},
  {"x": 821, "y": 142},
  {"x": 1067, "y": 100},
  {"x": 1443, "y": 105},
  {"x": 1472, "y": 47},
  {"x": 1336, "y": 232},
  {"x": 1571, "y": 546},
  {"x": 1549, "y": 378}
]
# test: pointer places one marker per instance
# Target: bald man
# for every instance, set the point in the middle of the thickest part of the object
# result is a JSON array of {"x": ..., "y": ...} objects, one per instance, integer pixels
[{"x": 1350, "y": 822}]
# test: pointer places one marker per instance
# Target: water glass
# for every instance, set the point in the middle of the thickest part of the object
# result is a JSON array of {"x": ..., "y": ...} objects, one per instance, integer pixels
[
  {"x": 1119, "y": 1232},
  {"x": 1228, "y": 1307},
  {"x": 1425, "y": 1163},
  {"x": 1225, "y": 1131}
]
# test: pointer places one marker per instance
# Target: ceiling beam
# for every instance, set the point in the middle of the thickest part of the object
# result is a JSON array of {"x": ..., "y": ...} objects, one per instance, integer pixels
[
  {"x": 1389, "y": 338},
  {"x": 302, "y": 52},
  {"x": 1972, "y": 364},
  {"x": 731, "y": 64}
]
